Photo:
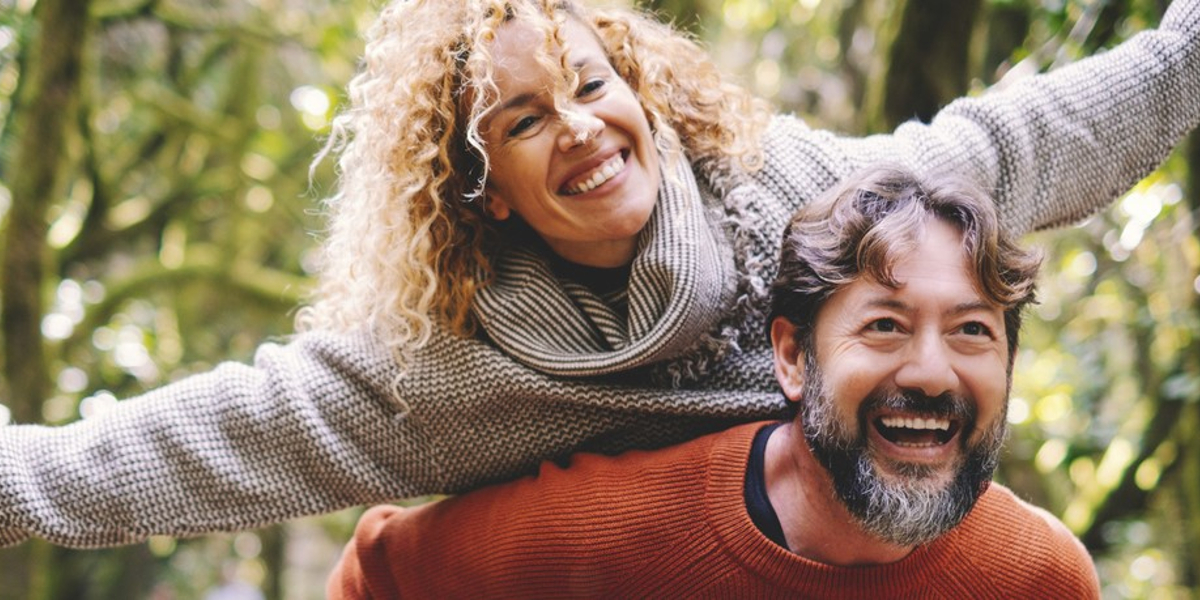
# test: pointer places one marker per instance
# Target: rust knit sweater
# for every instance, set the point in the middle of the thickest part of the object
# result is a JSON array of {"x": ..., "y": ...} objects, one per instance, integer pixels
[{"x": 673, "y": 524}]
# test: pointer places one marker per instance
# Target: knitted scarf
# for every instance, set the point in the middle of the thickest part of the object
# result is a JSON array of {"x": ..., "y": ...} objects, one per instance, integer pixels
[{"x": 682, "y": 286}]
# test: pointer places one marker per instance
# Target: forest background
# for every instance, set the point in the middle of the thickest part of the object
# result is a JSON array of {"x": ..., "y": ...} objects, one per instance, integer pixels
[{"x": 158, "y": 216}]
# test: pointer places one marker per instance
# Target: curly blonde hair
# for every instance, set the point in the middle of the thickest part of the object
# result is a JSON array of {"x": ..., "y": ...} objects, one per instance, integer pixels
[{"x": 408, "y": 244}]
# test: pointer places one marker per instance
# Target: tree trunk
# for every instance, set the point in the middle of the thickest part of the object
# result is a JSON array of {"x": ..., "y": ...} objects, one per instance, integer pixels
[
  {"x": 1007, "y": 26},
  {"x": 1189, "y": 454},
  {"x": 47, "y": 97},
  {"x": 929, "y": 61},
  {"x": 50, "y": 80}
]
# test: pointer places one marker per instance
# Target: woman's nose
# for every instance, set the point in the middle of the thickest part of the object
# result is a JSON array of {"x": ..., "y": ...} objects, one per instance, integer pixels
[{"x": 579, "y": 129}]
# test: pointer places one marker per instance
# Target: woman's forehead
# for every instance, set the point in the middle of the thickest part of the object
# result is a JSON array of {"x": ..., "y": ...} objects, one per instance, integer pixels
[{"x": 526, "y": 60}]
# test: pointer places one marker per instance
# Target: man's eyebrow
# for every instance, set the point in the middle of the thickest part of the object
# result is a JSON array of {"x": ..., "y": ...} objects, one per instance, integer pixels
[
  {"x": 974, "y": 305},
  {"x": 957, "y": 309},
  {"x": 891, "y": 303}
]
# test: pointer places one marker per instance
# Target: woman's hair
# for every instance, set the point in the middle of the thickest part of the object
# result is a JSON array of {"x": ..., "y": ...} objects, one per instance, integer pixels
[
  {"x": 863, "y": 226},
  {"x": 408, "y": 244}
]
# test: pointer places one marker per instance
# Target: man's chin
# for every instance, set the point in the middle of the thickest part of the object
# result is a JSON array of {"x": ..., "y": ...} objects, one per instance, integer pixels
[
  {"x": 906, "y": 503},
  {"x": 895, "y": 472}
]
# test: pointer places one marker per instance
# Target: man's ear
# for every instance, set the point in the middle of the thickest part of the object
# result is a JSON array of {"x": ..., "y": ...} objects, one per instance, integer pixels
[
  {"x": 789, "y": 361},
  {"x": 496, "y": 207}
]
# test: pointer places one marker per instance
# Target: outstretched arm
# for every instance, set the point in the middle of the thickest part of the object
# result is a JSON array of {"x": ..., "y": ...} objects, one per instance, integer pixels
[
  {"x": 310, "y": 428},
  {"x": 322, "y": 424},
  {"x": 1053, "y": 148}
]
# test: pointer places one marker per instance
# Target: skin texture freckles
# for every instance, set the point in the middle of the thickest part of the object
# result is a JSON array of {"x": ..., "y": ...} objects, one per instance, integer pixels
[{"x": 545, "y": 162}]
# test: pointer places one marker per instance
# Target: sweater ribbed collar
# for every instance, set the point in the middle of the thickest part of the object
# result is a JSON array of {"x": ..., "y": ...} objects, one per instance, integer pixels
[{"x": 681, "y": 282}]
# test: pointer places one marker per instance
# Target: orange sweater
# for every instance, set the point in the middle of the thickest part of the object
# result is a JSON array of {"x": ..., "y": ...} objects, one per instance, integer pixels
[{"x": 673, "y": 524}]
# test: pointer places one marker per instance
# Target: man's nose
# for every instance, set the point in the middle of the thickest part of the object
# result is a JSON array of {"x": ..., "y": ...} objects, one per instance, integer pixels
[
  {"x": 579, "y": 127},
  {"x": 928, "y": 366}
]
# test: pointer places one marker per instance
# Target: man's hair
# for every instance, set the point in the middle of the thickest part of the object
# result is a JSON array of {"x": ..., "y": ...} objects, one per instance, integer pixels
[{"x": 862, "y": 227}]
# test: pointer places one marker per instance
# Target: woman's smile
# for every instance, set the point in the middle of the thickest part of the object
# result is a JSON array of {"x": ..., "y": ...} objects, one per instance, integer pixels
[
  {"x": 596, "y": 177},
  {"x": 582, "y": 171}
]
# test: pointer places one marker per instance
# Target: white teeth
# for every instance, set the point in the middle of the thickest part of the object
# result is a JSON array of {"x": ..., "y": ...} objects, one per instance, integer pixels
[
  {"x": 917, "y": 423},
  {"x": 603, "y": 173},
  {"x": 914, "y": 445}
]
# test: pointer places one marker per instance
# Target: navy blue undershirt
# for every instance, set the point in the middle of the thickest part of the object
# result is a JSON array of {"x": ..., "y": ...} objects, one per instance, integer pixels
[{"x": 758, "y": 505}]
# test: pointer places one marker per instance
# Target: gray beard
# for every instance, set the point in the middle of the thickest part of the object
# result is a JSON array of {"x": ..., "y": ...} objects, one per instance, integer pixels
[{"x": 909, "y": 508}]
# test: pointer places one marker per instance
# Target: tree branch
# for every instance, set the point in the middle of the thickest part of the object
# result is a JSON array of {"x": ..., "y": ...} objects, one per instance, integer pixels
[{"x": 203, "y": 263}]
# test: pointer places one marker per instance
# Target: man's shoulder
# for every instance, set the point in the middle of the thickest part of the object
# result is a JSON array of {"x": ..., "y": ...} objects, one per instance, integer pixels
[
  {"x": 591, "y": 485},
  {"x": 594, "y": 524},
  {"x": 635, "y": 468},
  {"x": 1000, "y": 502},
  {"x": 1026, "y": 545}
]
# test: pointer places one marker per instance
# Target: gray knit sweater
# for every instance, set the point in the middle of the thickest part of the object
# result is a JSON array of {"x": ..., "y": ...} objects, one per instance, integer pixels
[{"x": 324, "y": 423}]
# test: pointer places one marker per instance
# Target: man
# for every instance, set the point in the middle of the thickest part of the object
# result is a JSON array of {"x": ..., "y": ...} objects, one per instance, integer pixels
[{"x": 894, "y": 325}]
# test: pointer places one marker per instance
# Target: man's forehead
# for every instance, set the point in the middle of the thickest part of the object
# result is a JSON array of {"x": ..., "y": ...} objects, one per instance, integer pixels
[
  {"x": 885, "y": 297},
  {"x": 937, "y": 270}
]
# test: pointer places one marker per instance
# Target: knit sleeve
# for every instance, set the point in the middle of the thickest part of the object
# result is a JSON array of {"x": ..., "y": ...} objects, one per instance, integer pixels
[
  {"x": 310, "y": 427},
  {"x": 1053, "y": 148}
]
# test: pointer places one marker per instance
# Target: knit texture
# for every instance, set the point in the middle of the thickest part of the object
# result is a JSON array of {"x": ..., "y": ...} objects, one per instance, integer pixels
[
  {"x": 673, "y": 524},
  {"x": 325, "y": 421}
]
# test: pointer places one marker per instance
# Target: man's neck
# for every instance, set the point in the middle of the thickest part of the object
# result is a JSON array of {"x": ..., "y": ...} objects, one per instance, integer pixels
[{"x": 815, "y": 523}]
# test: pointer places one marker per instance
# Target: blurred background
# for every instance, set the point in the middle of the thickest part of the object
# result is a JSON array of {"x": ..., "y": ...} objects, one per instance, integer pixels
[{"x": 157, "y": 216}]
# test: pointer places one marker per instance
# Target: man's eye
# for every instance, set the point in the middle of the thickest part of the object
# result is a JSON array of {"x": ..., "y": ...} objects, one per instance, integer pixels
[
  {"x": 883, "y": 325},
  {"x": 522, "y": 125},
  {"x": 976, "y": 328}
]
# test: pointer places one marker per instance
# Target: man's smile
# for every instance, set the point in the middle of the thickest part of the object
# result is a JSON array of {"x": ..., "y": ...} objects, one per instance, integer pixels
[
  {"x": 923, "y": 431},
  {"x": 916, "y": 432}
]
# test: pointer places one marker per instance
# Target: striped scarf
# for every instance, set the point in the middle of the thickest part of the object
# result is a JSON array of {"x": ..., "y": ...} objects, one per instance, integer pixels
[{"x": 682, "y": 283}]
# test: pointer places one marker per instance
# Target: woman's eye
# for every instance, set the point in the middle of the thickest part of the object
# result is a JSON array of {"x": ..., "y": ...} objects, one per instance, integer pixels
[
  {"x": 883, "y": 326},
  {"x": 590, "y": 86},
  {"x": 522, "y": 125}
]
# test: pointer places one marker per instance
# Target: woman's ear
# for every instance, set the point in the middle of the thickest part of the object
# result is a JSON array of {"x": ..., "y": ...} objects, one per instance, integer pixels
[
  {"x": 496, "y": 208},
  {"x": 789, "y": 360}
]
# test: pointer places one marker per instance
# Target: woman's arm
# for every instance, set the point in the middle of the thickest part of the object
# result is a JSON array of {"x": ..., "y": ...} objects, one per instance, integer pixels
[
  {"x": 310, "y": 428},
  {"x": 1054, "y": 148},
  {"x": 322, "y": 424}
]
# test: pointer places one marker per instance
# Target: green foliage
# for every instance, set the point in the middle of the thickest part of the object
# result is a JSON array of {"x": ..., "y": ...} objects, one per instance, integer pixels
[
  {"x": 1105, "y": 399},
  {"x": 181, "y": 236}
]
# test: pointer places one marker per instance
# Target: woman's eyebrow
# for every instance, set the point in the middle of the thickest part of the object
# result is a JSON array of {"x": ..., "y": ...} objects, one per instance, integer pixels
[
  {"x": 528, "y": 97},
  {"x": 516, "y": 101}
]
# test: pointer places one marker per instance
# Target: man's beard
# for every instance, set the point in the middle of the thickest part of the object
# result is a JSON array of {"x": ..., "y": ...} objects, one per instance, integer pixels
[{"x": 911, "y": 507}]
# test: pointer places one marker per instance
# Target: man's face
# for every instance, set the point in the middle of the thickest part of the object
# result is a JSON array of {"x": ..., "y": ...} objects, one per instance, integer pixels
[{"x": 903, "y": 398}]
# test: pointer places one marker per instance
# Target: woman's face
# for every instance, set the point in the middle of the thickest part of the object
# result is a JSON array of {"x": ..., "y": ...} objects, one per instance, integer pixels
[{"x": 585, "y": 176}]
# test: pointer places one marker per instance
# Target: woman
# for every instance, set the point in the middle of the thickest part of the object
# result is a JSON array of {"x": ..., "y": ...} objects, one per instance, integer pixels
[{"x": 554, "y": 232}]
